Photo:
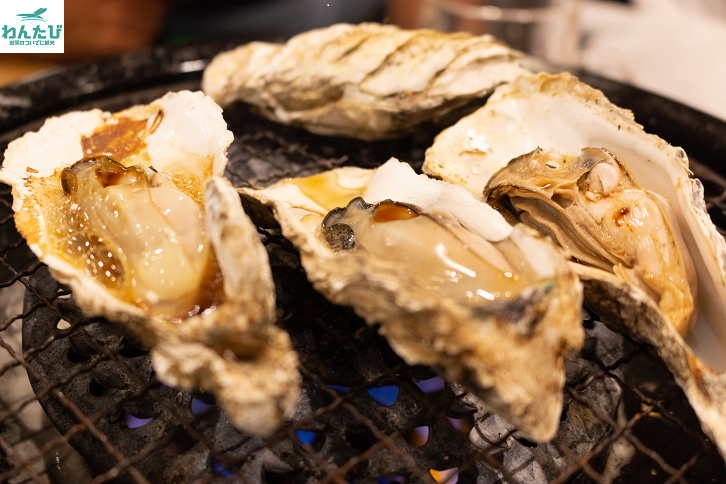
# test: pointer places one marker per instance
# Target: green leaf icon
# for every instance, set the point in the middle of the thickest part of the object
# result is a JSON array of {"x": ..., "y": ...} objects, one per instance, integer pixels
[{"x": 33, "y": 16}]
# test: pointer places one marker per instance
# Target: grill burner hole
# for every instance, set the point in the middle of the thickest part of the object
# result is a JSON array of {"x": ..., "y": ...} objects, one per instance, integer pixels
[
  {"x": 74, "y": 357},
  {"x": 199, "y": 406},
  {"x": 307, "y": 436},
  {"x": 130, "y": 351},
  {"x": 418, "y": 436},
  {"x": 462, "y": 424},
  {"x": 134, "y": 422},
  {"x": 324, "y": 397},
  {"x": 391, "y": 480},
  {"x": 220, "y": 469},
  {"x": 565, "y": 408},
  {"x": 182, "y": 442},
  {"x": 447, "y": 476},
  {"x": 98, "y": 390},
  {"x": 361, "y": 441},
  {"x": 4, "y": 465},
  {"x": 432, "y": 385},
  {"x": 274, "y": 478},
  {"x": 525, "y": 442},
  {"x": 174, "y": 449}
]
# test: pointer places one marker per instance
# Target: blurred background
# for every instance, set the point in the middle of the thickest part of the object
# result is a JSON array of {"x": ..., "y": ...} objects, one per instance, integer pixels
[{"x": 672, "y": 47}]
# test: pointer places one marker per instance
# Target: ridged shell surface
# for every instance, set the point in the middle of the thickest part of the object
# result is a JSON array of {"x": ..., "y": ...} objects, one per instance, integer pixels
[{"x": 358, "y": 81}]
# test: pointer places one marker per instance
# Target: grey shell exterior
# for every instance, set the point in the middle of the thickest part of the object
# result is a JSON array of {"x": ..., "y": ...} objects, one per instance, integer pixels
[{"x": 355, "y": 80}]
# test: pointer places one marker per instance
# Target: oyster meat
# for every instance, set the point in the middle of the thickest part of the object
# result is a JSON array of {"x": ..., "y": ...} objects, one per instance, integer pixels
[
  {"x": 595, "y": 209},
  {"x": 355, "y": 80},
  {"x": 577, "y": 167},
  {"x": 450, "y": 282},
  {"x": 130, "y": 210}
]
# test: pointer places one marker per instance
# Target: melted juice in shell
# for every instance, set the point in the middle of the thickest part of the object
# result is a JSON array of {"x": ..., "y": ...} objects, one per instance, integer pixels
[
  {"x": 432, "y": 254},
  {"x": 78, "y": 242},
  {"x": 325, "y": 190}
]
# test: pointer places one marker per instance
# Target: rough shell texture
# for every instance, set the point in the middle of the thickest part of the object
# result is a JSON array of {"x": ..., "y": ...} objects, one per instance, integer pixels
[
  {"x": 234, "y": 351},
  {"x": 518, "y": 373},
  {"x": 561, "y": 113},
  {"x": 355, "y": 80}
]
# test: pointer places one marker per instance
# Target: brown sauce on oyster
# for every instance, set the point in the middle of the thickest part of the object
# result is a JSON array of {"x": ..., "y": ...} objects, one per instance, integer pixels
[{"x": 120, "y": 140}]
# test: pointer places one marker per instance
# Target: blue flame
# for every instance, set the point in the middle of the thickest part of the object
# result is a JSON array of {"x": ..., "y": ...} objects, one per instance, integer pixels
[
  {"x": 432, "y": 385},
  {"x": 385, "y": 396},
  {"x": 221, "y": 469},
  {"x": 135, "y": 422},
  {"x": 390, "y": 480},
  {"x": 307, "y": 436},
  {"x": 199, "y": 406}
]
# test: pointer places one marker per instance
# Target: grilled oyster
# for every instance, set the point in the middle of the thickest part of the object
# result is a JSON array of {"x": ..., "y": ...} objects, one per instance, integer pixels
[
  {"x": 595, "y": 209},
  {"x": 130, "y": 210},
  {"x": 560, "y": 113},
  {"x": 450, "y": 282},
  {"x": 355, "y": 80}
]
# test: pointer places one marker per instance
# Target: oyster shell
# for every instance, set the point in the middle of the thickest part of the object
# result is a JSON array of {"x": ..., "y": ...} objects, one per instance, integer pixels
[
  {"x": 130, "y": 210},
  {"x": 450, "y": 282},
  {"x": 355, "y": 80},
  {"x": 562, "y": 114}
]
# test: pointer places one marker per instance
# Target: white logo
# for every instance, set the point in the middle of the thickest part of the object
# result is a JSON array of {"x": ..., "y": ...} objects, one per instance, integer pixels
[{"x": 35, "y": 26}]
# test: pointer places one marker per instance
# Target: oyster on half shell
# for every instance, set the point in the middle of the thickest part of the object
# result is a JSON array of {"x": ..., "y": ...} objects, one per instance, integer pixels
[
  {"x": 131, "y": 211},
  {"x": 561, "y": 114},
  {"x": 356, "y": 80},
  {"x": 595, "y": 209},
  {"x": 450, "y": 282}
]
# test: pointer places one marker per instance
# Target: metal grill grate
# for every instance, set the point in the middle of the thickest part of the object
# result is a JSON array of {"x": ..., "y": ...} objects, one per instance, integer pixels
[{"x": 365, "y": 415}]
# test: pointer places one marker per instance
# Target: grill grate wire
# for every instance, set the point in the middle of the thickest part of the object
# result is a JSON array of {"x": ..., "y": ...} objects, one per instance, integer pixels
[{"x": 340, "y": 433}]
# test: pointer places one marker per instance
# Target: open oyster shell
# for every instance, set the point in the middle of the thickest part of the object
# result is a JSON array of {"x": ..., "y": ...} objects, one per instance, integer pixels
[
  {"x": 450, "y": 282},
  {"x": 593, "y": 206},
  {"x": 355, "y": 80},
  {"x": 562, "y": 114},
  {"x": 131, "y": 211}
]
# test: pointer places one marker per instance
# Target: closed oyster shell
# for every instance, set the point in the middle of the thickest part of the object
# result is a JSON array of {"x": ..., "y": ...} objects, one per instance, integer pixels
[
  {"x": 510, "y": 351},
  {"x": 355, "y": 80},
  {"x": 565, "y": 115},
  {"x": 175, "y": 149}
]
